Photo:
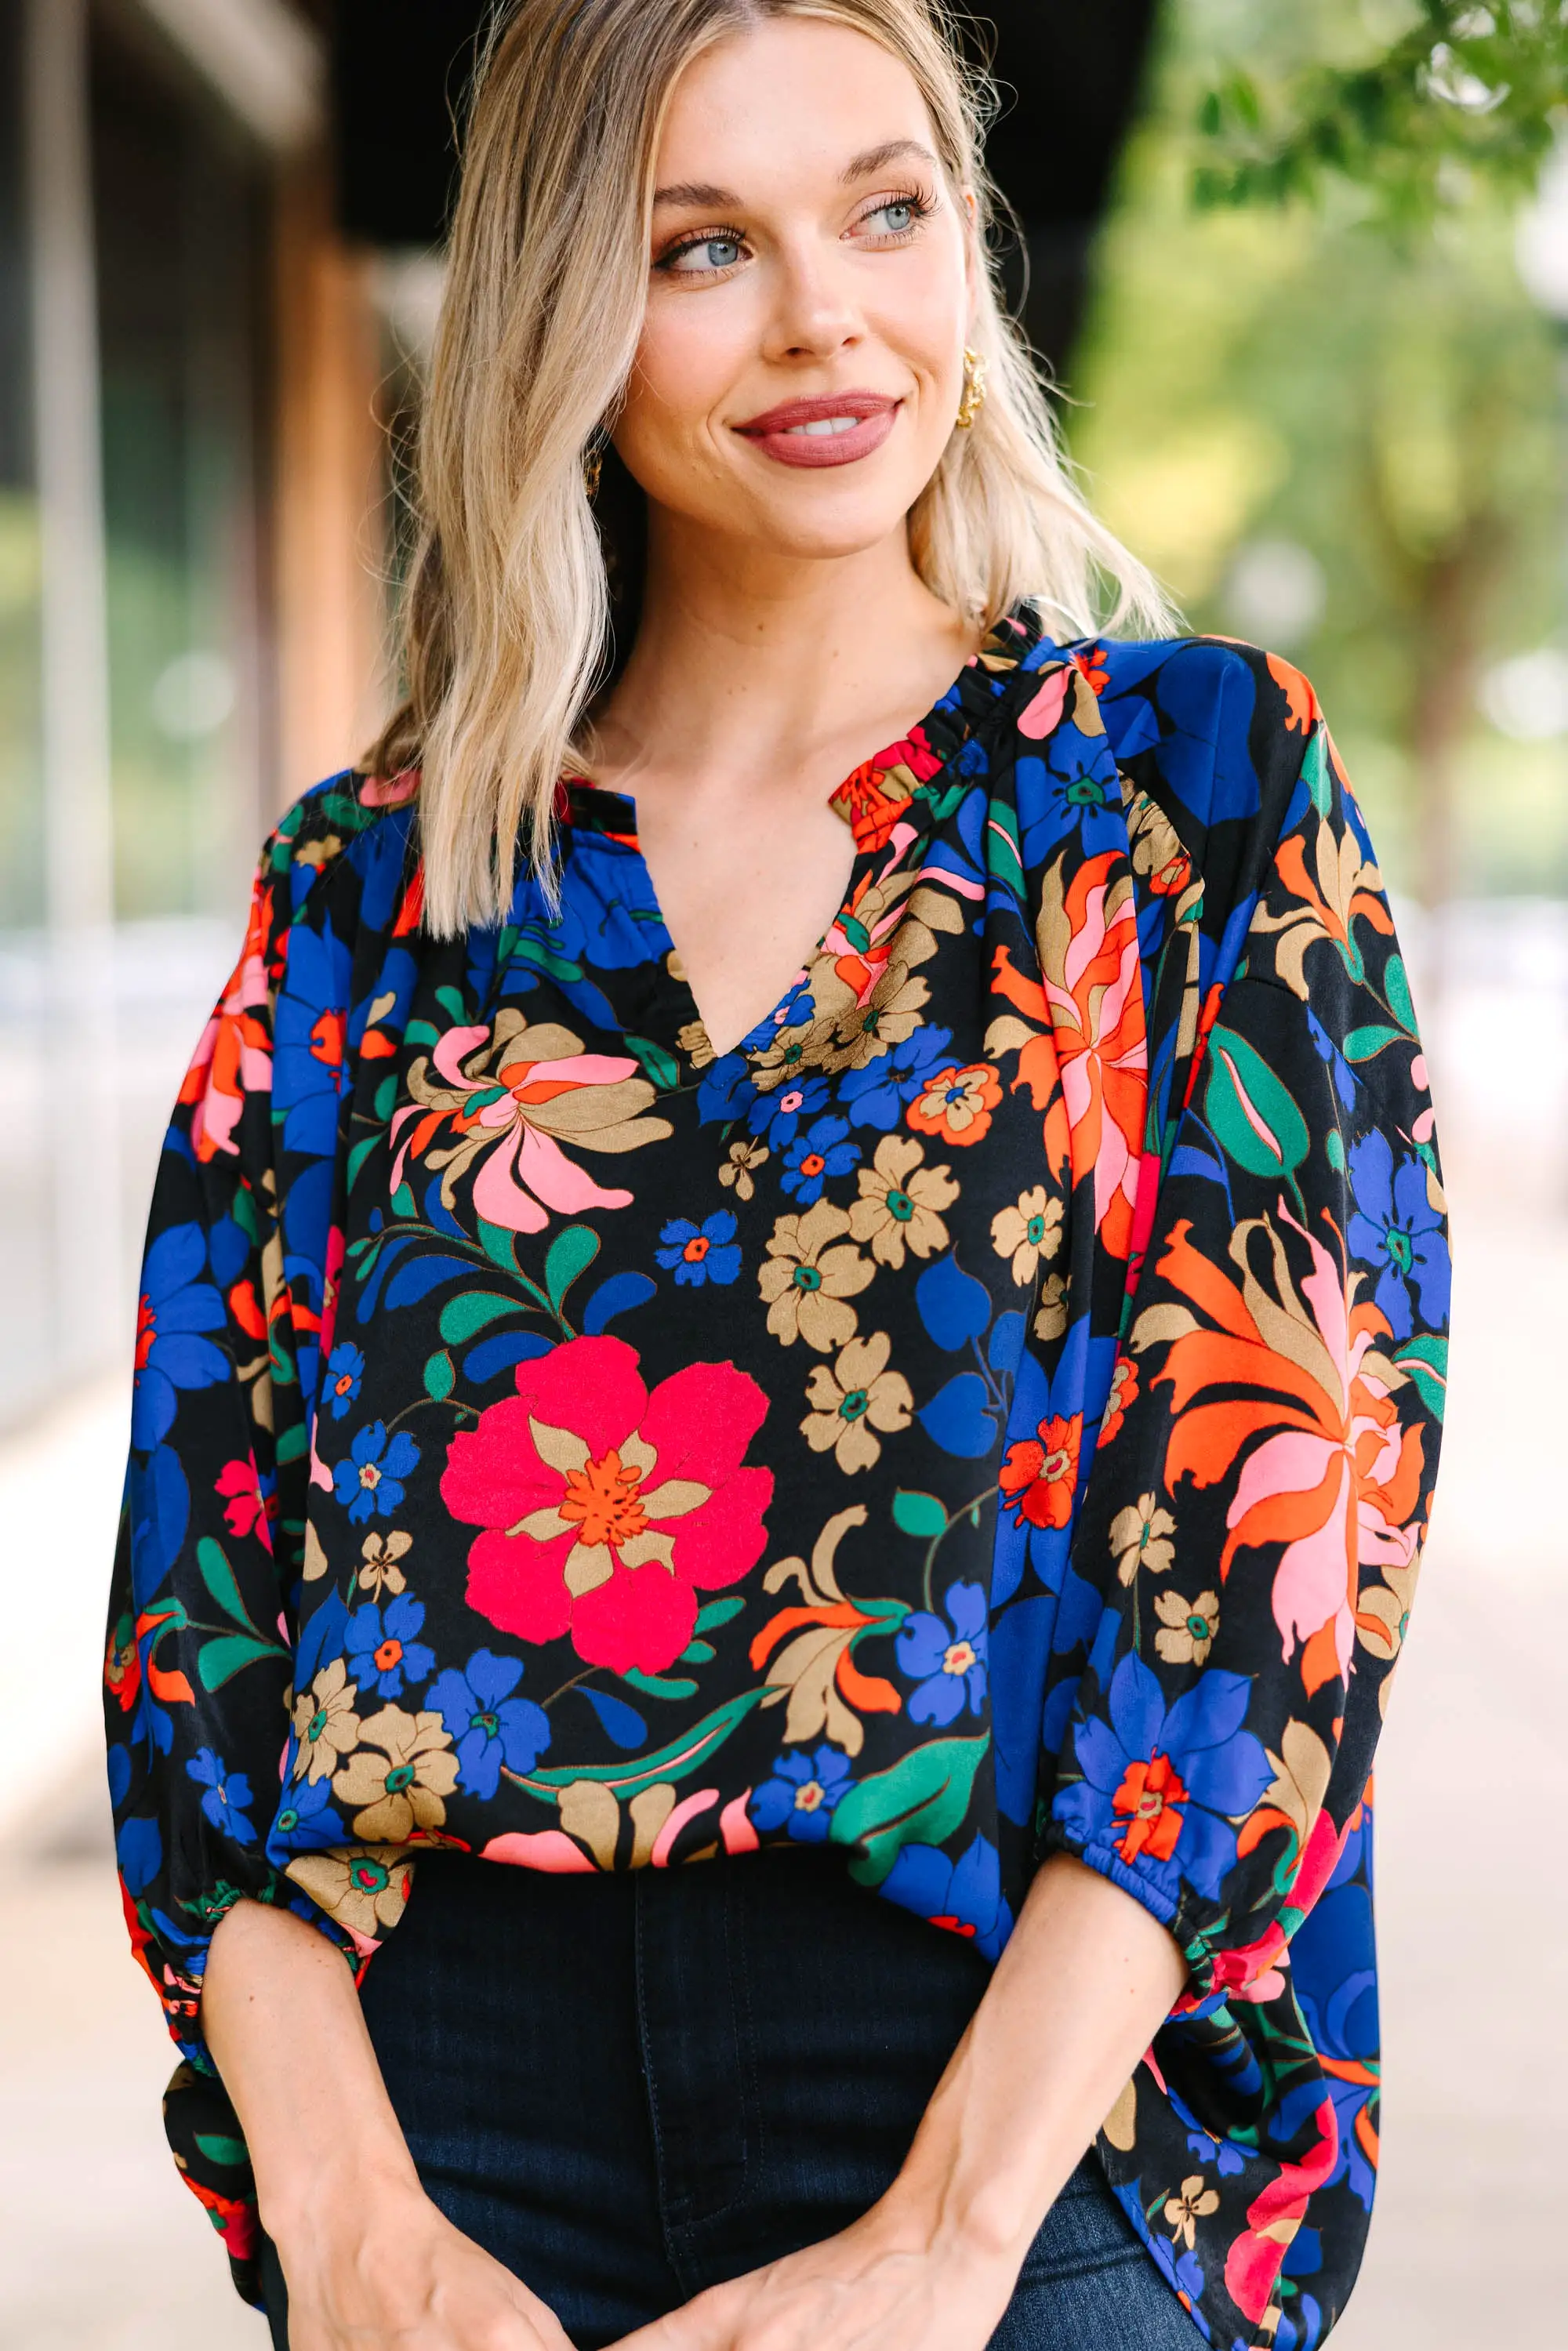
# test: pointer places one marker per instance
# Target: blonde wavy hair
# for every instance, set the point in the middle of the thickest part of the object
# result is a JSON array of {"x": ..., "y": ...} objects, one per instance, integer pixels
[{"x": 521, "y": 591}]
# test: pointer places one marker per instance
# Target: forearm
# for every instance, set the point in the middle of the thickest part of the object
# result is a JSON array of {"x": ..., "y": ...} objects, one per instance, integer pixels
[
  {"x": 1085, "y": 1981},
  {"x": 283, "y": 2021}
]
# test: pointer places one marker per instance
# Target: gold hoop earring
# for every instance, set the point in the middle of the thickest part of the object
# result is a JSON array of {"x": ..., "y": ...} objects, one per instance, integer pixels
[
  {"x": 593, "y": 460},
  {"x": 974, "y": 397}
]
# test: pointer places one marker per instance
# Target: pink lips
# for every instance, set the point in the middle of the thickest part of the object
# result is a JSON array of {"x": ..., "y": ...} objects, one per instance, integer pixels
[{"x": 776, "y": 431}]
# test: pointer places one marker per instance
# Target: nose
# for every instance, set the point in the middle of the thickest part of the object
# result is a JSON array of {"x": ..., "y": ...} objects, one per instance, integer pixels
[{"x": 815, "y": 313}]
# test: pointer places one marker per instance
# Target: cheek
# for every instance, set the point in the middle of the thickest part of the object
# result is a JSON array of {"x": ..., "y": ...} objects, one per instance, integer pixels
[{"x": 693, "y": 348}]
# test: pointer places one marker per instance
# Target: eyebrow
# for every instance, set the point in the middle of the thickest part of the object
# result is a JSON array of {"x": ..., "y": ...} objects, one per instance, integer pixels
[{"x": 702, "y": 193}]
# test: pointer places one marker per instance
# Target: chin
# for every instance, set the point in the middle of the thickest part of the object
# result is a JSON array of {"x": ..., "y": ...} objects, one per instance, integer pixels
[{"x": 822, "y": 530}]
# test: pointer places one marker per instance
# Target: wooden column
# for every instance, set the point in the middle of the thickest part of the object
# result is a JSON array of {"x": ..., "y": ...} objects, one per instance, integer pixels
[{"x": 331, "y": 490}]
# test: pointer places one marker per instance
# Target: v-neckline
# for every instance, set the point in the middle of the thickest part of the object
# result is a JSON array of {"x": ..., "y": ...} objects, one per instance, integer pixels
[
  {"x": 875, "y": 800},
  {"x": 882, "y": 796}
]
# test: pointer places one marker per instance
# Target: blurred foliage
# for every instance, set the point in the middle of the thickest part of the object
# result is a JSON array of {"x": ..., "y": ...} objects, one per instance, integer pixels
[
  {"x": 1346, "y": 447},
  {"x": 1422, "y": 99}
]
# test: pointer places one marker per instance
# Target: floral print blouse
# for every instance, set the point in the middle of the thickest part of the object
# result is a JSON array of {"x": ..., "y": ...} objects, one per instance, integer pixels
[{"x": 991, "y": 1412}]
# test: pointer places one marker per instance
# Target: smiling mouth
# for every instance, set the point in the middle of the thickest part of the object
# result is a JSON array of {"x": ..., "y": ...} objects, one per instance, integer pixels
[{"x": 818, "y": 431}]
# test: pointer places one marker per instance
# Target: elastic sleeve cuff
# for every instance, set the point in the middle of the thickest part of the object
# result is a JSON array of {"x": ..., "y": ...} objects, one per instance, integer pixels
[{"x": 1196, "y": 1948}]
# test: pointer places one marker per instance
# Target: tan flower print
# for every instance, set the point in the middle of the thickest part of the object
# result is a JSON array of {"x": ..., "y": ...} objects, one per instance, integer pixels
[
  {"x": 1051, "y": 1314},
  {"x": 1184, "y": 2212},
  {"x": 858, "y": 1395},
  {"x": 1029, "y": 1233},
  {"x": 809, "y": 1272},
  {"x": 1188, "y": 1627},
  {"x": 739, "y": 1168},
  {"x": 364, "y": 1891},
  {"x": 1382, "y": 1611},
  {"x": 693, "y": 1040},
  {"x": 900, "y": 1198},
  {"x": 890, "y": 1014},
  {"x": 381, "y": 1573},
  {"x": 398, "y": 1775},
  {"x": 326, "y": 1727},
  {"x": 1139, "y": 1538}
]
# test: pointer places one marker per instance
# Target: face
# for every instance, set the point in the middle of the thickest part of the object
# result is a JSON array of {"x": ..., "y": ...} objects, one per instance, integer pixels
[{"x": 808, "y": 296}]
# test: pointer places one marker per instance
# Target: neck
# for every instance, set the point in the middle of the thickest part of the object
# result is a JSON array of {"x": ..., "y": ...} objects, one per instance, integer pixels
[{"x": 742, "y": 652}]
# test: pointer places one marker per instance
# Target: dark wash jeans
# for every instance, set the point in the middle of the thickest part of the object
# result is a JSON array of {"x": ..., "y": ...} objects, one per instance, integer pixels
[{"x": 629, "y": 2088}]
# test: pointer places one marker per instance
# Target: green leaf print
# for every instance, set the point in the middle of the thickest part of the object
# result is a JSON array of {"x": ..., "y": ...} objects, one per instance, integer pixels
[
  {"x": 920, "y": 1801},
  {"x": 918, "y": 1514},
  {"x": 1254, "y": 1115},
  {"x": 221, "y": 1582},
  {"x": 571, "y": 1253}
]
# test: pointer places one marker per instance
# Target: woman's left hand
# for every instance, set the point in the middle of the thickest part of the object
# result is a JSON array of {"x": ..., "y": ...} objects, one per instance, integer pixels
[
  {"x": 873, "y": 2288},
  {"x": 1075, "y": 2001}
]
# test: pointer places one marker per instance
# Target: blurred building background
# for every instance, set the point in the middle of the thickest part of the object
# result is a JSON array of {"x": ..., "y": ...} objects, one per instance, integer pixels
[{"x": 219, "y": 229}]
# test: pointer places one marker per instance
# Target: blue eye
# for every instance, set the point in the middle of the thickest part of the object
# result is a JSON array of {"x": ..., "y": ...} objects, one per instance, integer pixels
[
  {"x": 708, "y": 253},
  {"x": 902, "y": 208}
]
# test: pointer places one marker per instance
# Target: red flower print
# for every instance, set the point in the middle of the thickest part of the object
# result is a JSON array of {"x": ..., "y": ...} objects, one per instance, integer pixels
[
  {"x": 247, "y": 1511},
  {"x": 607, "y": 1509},
  {"x": 1150, "y": 1800},
  {"x": 236, "y": 2221},
  {"x": 1040, "y": 1476}
]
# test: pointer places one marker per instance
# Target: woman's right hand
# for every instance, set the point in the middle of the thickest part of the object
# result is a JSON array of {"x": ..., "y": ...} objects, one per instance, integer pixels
[
  {"x": 370, "y": 2262},
  {"x": 397, "y": 2276}
]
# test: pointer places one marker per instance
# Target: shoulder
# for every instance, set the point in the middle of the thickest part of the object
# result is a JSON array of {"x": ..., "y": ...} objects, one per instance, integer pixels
[
  {"x": 343, "y": 853},
  {"x": 1215, "y": 728}
]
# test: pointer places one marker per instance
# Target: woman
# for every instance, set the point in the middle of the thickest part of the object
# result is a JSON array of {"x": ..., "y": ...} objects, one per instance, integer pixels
[{"x": 948, "y": 1414}]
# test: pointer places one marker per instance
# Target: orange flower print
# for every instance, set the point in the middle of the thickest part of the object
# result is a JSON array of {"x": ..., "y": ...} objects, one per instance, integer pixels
[
  {"x": 234, "y": 1056},
  {"x": 1095, "y": 666},
  {"x": 872, "y": 799},
  {"x": 1124, "y": 1391},
  {"x": 956, "y": 1104},
  {"x": 1331, "y": 1486},
  {"x": 1087, "y": 1060},
  {"x": 1150, "y": 1800},
  {"x": 1040, "y": 1476}
]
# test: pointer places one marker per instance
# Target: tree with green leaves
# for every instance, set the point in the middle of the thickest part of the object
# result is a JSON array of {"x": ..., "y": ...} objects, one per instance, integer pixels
[
  {"x": 1458, "y": 95},
  {"x": 1271, "y": 371}
]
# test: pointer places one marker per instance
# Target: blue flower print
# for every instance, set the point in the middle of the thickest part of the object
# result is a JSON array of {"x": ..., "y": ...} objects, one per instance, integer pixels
[
  {"x": 370, "y": 1482},
  {"x": 228, "y": 1793},
  {"x": 775, "y": 1119},
  {"x": 489, "y": 1725},
  {"x": 382, "y": 1647},
  {"x": 345, "y": 1370},
  {"x": 875, "y": 1095},
  {"x": 1160, "y": 1789},
  {"x": 700, "y": 1253},
  {"x": 813, "y": 1157},
  {"x": 176, "y": 1308},
  {"x": 1328, "y": 1052},
  {"x": 307, "y": 1821},
  {"x": 308, "y": 1063},
  {"x": 795, "y": 1011},
  {"x": 948, "y": 1659},
  {"x": 964, "y": 1896},
  {"x": 1394, "y": 1226},
  {"x": 802, "y": 1793}
]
